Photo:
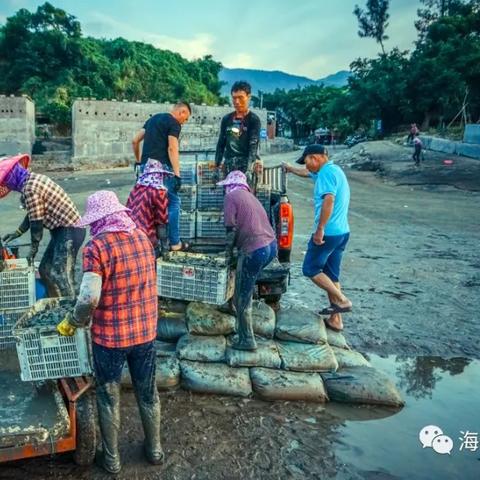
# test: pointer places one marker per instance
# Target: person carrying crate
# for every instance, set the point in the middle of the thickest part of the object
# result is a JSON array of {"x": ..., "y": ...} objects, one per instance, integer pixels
[
  {"x": 48, "y": 206},
  {"x": 248, "y": 229},
  {"x": 118, "y": 295}
]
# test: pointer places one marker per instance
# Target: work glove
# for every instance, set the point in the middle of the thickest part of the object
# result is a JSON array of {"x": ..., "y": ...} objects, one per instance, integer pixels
[
  {"x": 137, "y": 169},
  {"x": 177, "y": 184},
  {"x": 216, "y": 175},
  {"x": 65, "y": 328},
  {"x": 12, "y": 236},
  {"x": 32, "y": 254}
]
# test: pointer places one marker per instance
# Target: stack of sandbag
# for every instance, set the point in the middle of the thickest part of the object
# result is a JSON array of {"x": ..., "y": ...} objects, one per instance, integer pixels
[{"x": 297, "y": 357}]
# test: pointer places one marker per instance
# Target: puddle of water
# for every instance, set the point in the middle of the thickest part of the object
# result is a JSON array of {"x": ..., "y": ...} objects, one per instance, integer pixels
[{"x": 440, "y": 392}]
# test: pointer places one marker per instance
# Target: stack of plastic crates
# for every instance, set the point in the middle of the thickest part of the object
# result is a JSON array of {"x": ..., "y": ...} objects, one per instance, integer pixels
[
  {"x": 264, "y": 194},
  {"x": 17, "y": 294},
  {"x": 188, "y": 171},
  {"x": 45, "y": 354},
  {"x": 194, "y": 277},
  {"x": 205, "y": 173},
  {"x": 188, "y": 198},
  {"x": 188, "y": 222},
  {"x": 210, "y": 197},
  {"x": 210, "y": 225}
]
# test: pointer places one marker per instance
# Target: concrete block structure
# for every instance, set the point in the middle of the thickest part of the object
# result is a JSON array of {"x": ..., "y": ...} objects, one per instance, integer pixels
[
  {"x": 472, "y": 133},
  {"x": 102, "y": 131},
  {"x": 17, "y": 125}
]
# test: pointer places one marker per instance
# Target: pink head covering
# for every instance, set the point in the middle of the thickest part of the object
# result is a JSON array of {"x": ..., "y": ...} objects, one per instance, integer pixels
[
  {"x": 153, "y": 175},
  {"x": 234, "y": 181}
]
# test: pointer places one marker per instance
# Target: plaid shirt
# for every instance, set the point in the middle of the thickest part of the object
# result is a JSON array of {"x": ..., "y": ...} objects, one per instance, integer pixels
[
  {"x": 148, "y": 209},
  {"x": 127, "y": 313},
  {"x": 47, "y": 201}
]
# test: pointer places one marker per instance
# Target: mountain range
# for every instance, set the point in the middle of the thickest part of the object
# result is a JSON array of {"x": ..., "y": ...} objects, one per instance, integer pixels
[{"x": 268, "y": 81}]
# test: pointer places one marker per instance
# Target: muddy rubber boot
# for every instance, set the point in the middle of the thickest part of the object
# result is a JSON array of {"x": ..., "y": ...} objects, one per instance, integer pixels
[
  {"x": 108, "y": 405},
  {"x": 245, "y": 340},
  {"x": 151, "y": 416}
]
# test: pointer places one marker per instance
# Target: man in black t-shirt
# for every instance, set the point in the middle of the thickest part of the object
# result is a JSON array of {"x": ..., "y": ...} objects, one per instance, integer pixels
[
  {"x": 239, "y": 133},
  {"x": 160, "y": 142}
]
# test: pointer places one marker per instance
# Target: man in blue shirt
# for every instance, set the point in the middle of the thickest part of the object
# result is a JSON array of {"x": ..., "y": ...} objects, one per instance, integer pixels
[{"x": 331, "y": 230}]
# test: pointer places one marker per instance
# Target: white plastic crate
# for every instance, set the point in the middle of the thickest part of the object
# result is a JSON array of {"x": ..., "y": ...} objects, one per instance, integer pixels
[
  {"x": 264, "y": 194},
  {"x": 209, "y": 198},
  {"x": 205, "y": 173},
  {"x": 194, "y": 283},
  {"x": 188, "y": 222},
  {"x": 188, "y": 197},
  {"x": 188, "y": 173},
  {"x": 8, "y": 319},
  {"x": 45, "y": 354},
  {"x": 210, "y": 225},
  {"x": 17, "y": 285}
]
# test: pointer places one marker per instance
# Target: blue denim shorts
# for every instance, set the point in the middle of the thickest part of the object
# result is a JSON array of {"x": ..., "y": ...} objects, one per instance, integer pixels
[{"x": 325, "y": 258}]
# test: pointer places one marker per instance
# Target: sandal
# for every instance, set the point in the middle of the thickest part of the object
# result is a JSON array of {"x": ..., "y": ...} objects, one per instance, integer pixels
[
  {"x": 334, "y": 308},
  {"x": 331, "y": 327}
]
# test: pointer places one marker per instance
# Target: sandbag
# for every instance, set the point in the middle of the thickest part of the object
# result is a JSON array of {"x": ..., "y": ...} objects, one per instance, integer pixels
[
  {"x": 165, "y": 349},
  {"x": 263, "y": 319},
  {"x": 303, "y": 357},
  {"x": 171, "y": 326},
  {"x": 203, "y": 319},
  {"x": 167, "y": 374},
  {"x": 216, "y": 378},
  {"x": 280, "y": 385},
  {"x": 200, "y": 348},
  {"x": 362, "y": 385},
  {"x": 297, "y": 324},
  {"x": 349, "y": 358},
  {"x": 336, "y": 339},
  {"x": 266, "y": 355}
]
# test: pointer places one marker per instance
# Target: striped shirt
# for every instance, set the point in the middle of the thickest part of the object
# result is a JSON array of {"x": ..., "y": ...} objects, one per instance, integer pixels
[
  {"x": 127, "y": 312},
  {"x": 45, "y": 200},
  {"x": 148, "y": 207}
]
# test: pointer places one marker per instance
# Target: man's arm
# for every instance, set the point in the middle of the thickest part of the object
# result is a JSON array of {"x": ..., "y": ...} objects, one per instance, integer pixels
[
  {"x": 173, "y": 154},
  {"x": 300, "y": 172},
  {"x": 222, "y": 142},
  {"x": 88, "y": 299},
  {"x": 325, "y": 214},
  {"x": 137, "y": 139},
  {"x": 253, "y": 139}
]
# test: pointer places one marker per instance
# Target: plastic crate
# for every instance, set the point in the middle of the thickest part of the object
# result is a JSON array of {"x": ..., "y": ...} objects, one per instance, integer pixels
[
  {"x": 209, "y": 198},
  {"x": 17, "y": 285},
  {"x": 45, "y": 354},
  {"x": 188, "y": 172},
  {"x": 264, "y": 195},
  {"x": 187, "y": 224},
  {"x": 188, "y": 197},
  {"x": 8, "y": 319},
  {"x": 210, "y": 225},
  {"x": 194, "y": 283},
  {"x": 205, "y": 172}
]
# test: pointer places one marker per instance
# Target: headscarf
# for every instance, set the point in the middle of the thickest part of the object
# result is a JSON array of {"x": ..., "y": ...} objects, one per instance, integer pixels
[
  {"x": 153, "y": 175},
  {"x": 17, "y": 177},
  {"x": 116, "y": 222}
]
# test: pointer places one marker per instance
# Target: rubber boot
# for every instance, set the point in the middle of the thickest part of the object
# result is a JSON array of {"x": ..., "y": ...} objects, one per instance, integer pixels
[
  {"x": 108, "y": 405},
  {"x": 151, "y": 416},
  {"x": 245, "y": 340}
]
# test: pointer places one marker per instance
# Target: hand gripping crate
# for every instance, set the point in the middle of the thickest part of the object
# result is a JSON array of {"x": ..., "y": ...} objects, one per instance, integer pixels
[
  {"x": 210, "y": 225},
  {"x": 188, "y": 198},
  {"x": 210, "y": 197},
  {"x": 45, "y": 354},
  {"x": 264, "y": 193},
  {"x": 17, "y": 285},
  {"x": 187, "y": 224},
  {"x": 188, "y": 172},
  {"x": 195, "y": 278},
  {"x": 8, "y": 319},
  {"x": 205, "y": 173}
]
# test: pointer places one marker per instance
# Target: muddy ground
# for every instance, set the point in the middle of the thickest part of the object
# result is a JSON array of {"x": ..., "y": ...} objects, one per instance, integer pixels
[{"x": 412, "y": 272}]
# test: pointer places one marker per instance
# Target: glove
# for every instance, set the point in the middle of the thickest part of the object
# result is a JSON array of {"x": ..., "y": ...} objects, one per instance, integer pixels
[
  {"x": 177, "y": 184},
  {"x": 216, "y": 175},
  {"x": 31, "y": 255},
  {"x": 11, "y": 236},
  {"x": 65, "y": 328},
  {"x": 137, "y": 169}
]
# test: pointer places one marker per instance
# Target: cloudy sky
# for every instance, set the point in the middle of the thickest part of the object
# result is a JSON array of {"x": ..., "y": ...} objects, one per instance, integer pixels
[{"x": 304, "y": 37}]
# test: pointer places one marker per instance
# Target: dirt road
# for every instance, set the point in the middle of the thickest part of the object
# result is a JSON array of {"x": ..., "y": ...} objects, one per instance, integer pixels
[{"x": 412, "y": 272}]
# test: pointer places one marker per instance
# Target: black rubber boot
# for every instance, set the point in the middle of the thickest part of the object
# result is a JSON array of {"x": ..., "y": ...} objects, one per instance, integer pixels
[
  {"x": 245, "y": 340},
  {"x": 151, "y": 417},
  {"x": 108, "y": 405}
]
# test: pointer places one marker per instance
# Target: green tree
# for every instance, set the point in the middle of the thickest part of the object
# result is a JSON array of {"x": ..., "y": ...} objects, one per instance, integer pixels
[{"x": 373, "y": 21}]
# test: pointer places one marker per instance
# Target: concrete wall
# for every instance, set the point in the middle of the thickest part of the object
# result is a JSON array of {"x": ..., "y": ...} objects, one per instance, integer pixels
[
  {"x": 450, "y": 147},
  {"x": 472, "y": 133},
  {"x": 102, "y": 131},
  {"x": 17, "y": 125}
]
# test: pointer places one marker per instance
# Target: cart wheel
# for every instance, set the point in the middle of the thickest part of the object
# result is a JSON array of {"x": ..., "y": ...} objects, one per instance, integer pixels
[{"x": 84, "y": 454}]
